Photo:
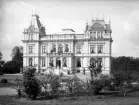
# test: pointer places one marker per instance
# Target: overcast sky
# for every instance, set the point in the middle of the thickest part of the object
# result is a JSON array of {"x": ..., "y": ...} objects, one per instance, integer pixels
[{"x": 15, "y": 15}]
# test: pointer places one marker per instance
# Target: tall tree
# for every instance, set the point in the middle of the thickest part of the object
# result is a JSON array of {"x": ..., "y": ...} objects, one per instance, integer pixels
[
  {"x": 17, "y": 53},
  {"x": 0, "y": 56},
  {"x": 2, "y": 62}
]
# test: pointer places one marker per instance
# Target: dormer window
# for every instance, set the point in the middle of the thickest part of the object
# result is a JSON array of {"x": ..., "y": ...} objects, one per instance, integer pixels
[
  {"x": 30, "y": 37},
  {"x": 93, "y": 34}
]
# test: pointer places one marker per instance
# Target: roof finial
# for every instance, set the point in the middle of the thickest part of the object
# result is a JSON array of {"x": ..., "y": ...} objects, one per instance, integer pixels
[
  {"x": 103, "y": 16},
  {"x": 109, "y": 20}
]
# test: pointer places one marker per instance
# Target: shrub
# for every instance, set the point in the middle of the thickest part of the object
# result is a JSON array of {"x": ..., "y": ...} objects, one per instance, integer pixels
[
  {"x": 31, "y": 84},
  {"x": 51, "y": 84},
  {"x": 4, "y": 81},
  {"x": 95, "y": 87}
]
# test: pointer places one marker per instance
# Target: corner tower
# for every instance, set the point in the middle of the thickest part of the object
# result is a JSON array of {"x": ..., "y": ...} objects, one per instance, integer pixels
[{"x": 32, "y": 35}]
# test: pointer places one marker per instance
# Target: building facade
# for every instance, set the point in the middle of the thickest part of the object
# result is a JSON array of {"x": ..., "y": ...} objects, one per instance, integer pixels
[{"x": 67, "y": 50}]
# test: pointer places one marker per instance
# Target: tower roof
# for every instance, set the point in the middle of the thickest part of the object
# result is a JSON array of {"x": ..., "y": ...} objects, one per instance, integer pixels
[
  {"x": 36, "y": 25},
  {"x": 99, "y": 25}
]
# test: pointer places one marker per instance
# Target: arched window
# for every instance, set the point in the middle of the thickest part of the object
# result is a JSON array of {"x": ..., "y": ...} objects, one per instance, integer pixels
[
  {"x": 54, "y": 48},
  {"x": 51, "y": 62},
  {"x": 100, "y": 62},
  {"x": 30, "y": 62},
  {"x": 43, "y": 62},
  {"x": 66, "y": 48},
  {"x": 60, "y": 48},
  {"x": 78, "y": 62},
  {"x": 64, "y": 62}
]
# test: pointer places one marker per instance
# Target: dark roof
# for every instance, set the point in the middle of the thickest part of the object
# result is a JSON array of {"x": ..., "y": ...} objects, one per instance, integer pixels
[
  {"x": 65, "y": 29},
  {"x": 39, "y": 26},
  {"x": 99, "y": 25}
]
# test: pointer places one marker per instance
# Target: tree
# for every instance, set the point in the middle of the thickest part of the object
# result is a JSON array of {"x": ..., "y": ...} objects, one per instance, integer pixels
[
  {"x": 16, "y": 63},
  {"x": 11, "y": 67},
  {"x": 124, "y": 70},
  {"x": 17, "y": 53},
  {"x": 2, "y": 62},
  {"x": 0, "y": 56},
  {"x": 95, "y": 70},
  {"x": 31, "y": 83}
]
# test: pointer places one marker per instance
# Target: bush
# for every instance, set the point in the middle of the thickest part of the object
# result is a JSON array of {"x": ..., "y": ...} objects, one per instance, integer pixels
[
  {"x": 4, "y": 81},
  {"x": 31, "y": 84},
  {"x": 95, "y": 87},
  {"x": 51, "y": 84}
]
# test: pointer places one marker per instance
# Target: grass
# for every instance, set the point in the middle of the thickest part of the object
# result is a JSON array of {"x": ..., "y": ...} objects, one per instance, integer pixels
[
  {"x": 103, "y": 99},
  {"x": 80, "y": 100}
]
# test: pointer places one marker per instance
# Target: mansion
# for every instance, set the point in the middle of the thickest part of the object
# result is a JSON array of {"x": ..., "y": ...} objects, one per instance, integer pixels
[{"x": 67, "y": 50}]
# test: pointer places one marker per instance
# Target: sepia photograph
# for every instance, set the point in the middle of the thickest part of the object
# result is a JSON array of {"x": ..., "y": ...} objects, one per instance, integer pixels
[{"x": 69, "y": 52}]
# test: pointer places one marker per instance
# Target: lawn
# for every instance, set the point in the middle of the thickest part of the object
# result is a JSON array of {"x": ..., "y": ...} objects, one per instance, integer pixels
[{"x": 131, "y": 99}]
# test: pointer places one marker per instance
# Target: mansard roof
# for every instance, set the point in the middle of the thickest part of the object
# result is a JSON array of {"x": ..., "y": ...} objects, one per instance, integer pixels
[
  {"x": 99, "y": 25},
  {"x": 36, "y": 25}
]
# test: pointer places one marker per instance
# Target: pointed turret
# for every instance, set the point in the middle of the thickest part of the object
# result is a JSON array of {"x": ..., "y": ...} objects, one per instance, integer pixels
[{"x": 36, "y": 26}]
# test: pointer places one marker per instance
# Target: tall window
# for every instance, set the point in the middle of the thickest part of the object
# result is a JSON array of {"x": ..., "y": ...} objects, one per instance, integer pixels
[
  {"x": 44, "y": 49},
  {"x": 43, "y": 62},
  {"x": 30, "y": 37},
  {"x": 100, "y": 48},
  {"x": 30, "y": 49},
  {"x": 66, "y": 48},
  {"x": 78, "y": 49},
  {"x": 93, "y": 34},
  {"x": 99, "y": 34},
  {"x": 60, "y": 48},
  {"x": 30, "y": 62},
  {"x": 64, "y": 62},
  {"x": 51, "y": 62},
  {"x": 100, "y": 62},
  {"x": 54, "y": 48},
  {"x": 78, "y": 62},
  {"x": 92, "y": 49}
]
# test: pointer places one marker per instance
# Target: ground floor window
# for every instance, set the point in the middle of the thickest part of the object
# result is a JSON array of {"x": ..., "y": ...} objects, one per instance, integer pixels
[
  {"x": 64, "y": 62},
  {"x": 51, "y": 62},
  {"x": 30, "y": 62},
  {"x": 58, "y": 62},
  {"x": 78, "y": 62},
  {"x": 43, "y": 62}
]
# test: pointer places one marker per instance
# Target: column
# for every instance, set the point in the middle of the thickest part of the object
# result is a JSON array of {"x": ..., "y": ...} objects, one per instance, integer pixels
[
  {"x": 96, "y": 34},
  {"x": 61, "y": 62},
  {"x": 63, "y": 47},
  {"x": 54, "y": 62}
]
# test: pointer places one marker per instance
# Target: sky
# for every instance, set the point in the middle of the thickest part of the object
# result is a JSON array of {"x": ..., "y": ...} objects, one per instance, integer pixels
[{"x": 15, "y": 15}]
